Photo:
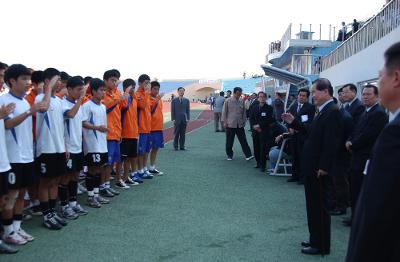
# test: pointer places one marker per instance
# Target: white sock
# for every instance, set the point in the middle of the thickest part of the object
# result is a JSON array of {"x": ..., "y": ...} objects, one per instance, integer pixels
[
  {"x": 17, "y": 225},
  {"x": 152, "y": 167},
  {"x": 90, "y": 193},
  {"x": 141, "y": 171},
  {"x": 72, "y": 203},
  {"x": 145, "y": 168},
  {"x": 107, "y": 184},
  {"x": 8, "y": 229},
  {"x": 96, "y": 191}
]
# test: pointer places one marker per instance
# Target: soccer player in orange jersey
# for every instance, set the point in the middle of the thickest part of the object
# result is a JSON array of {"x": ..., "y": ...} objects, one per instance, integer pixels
[
  {"x": 157, "y": 123},
  {"x": 144, "y": 114}
]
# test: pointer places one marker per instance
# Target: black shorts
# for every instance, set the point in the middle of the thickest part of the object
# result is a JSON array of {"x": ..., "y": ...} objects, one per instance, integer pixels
[
  {"x": 74, "y": 163},
  {"x": 129, "y": 147},
  {"x": 51, "y": 165},
  {"x": 23, "y": 174},
  {"x": 96, "y": 159},
  {"x": 5, "y": 178}
]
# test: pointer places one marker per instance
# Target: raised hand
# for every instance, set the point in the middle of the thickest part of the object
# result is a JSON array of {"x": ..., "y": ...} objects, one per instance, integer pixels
[{"x": 5, "y": 110}]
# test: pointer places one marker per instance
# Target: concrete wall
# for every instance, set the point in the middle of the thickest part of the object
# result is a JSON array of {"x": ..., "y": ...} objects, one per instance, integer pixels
[{"x": 364, "y": 65}]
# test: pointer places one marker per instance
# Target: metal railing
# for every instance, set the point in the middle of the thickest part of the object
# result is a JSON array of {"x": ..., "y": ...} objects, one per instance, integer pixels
[{"x": 377, "y": 27}]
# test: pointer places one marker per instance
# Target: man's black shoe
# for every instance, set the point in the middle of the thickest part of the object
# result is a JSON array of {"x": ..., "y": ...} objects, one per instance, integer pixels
[
  {"x": 182, "y": 148},
  {"x": 313, "y": 251},
  {"x": 217, "y": 131},
  {"x": 338, "y": 212},
  {"x": 305, "y": 244},
  {"x": 293, "y": 179}
]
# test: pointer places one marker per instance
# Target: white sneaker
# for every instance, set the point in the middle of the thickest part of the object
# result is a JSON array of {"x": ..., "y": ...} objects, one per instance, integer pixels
[
  {"x": 229, "y": 159},
  {"x": 122, "y": 184},
  {"x": 14, "y": 239},
  {"x": 130, "y": 182},
  {"x": 25, "y": 235},
  {"x": 249, "y": 158}
]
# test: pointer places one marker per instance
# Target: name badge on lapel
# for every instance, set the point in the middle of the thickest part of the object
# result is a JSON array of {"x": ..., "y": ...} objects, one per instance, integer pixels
[
  {"x": 366, "y": 168},
  {"x": 263, "y": 114},
  {"x": 304, "y": 118}
]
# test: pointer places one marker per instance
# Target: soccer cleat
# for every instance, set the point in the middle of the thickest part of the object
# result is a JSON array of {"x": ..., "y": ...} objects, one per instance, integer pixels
[
  {"x": 137, "y": 179},
  {"x": 122, "y": 184},
  {"x": 102, "y": 200},
  {"x": 79, "y": 210},
  {"x": 106, "y": 193},
  {"x": 60, "y": 220},
  {"x": 145, "y": 176},
  {"x": 50, "y": 222},
  {"x": 92, "y": 202},
  {"x": 6, "y": 249},
  {"x": 36, "y": 211},
  {"x": 68, "y": 213},
  {"x": 156, "y": 172},
  {"x": 25, "y": 235},
  {"x": 113, "y": 191},
  {"x": 130, "y": 182},
  {"x": 14, "y": 239}
]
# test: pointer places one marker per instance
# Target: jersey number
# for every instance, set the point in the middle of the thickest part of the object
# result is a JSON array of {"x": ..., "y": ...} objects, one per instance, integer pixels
[
  {"x": 43, "y": 169},
  {"x": 69, "y": 163},
  {"x": 11, "y": 178},
  {"x": 96, "y": 158}
]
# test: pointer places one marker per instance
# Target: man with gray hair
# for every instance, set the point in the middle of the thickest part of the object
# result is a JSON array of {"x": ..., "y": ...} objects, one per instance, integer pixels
[{"x": 219, "y": 103}]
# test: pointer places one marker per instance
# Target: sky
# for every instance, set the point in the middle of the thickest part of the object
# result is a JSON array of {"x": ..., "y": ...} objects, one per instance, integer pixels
[{"x": 166, "y": 39}]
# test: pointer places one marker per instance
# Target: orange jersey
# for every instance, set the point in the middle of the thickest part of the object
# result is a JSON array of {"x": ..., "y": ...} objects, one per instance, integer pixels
[
  {"x": 112, "y": 101},
  {"x": 30, "y": 97},
  {"x": 143, "y": 104},
  {"x": 86, "y": 98},
  {"x": 129, "y": 118},
  {"x": 157, "y": 117}
]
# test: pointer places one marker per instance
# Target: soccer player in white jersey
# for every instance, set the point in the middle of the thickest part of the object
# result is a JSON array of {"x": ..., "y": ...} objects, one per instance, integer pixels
[
  {"x": 50, "y": 153},
  {"x": 6, "y": 175},
  {"x": 73, "y": 118},
  {"x": 95, "y": 141},
  {"x": 19, "y": 142}
]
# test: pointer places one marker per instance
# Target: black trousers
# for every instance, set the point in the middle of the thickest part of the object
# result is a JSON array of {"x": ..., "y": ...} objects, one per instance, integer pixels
[
  {"x": 260, "y": 146},
  {"x": 297, "y": 148},
  {"x": 356, "y": 180},
  {"x": 230, "y": 138},
  {"x": 318, "y": 218},
  {"x": 340, "y": 194},
  {"x": 179, "y": 133}
]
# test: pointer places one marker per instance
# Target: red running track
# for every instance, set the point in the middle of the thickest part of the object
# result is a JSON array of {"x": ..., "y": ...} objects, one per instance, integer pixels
[{"x": 205, "y": 117}]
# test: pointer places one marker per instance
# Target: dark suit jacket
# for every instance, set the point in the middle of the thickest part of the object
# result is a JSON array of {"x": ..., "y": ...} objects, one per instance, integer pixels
[
  {"x": 279, "y": 108},
  {"x": 180, "y": 112},
  {"x": 262, "y": 116},
  {"x": 321, "y": 146},
  {"x": 343, "y": 158},
  {"x": 356, "y": 109},
  {"x": 375, "y": 229},
  {"x": 365, "y": 135},
  {"x": 306, "y": 111}
]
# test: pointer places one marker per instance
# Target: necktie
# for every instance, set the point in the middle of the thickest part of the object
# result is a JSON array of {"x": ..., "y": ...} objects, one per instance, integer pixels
[
  {"x": 347, "y": 106},
  {"x": 180, "y": 100},
  {"x": 298, "y": 108},
  {"x": 316, "y": 113}
]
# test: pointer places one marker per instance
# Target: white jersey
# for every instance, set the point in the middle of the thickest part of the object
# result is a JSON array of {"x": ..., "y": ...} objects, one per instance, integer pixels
[
  {"x": 72, "y": 128},
  {"x": 19, "y": 139},
  {"x": 94, "y": 141},
  {"x": 4, "y": 163},
  {"x": 50, "y": 128}
]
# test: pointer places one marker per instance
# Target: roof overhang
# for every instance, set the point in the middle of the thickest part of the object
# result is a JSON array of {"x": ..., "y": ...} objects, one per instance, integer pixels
[{"x": 285, "y": 75}]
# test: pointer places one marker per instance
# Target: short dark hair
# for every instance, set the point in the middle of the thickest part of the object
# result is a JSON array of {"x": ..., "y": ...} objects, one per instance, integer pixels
[
  {"x": 237, "y": 89},
  {"x": 15, "y": 71},
  {"x": 323, "y": 84},
  {"x": 221, "y": 93},
  {"x": 49, "y": 73},
  {"x": 340, "y": 90},
  {"x": 87, "y": 79},
  {"x": 3, "y": 66},
  {"x": 229, "y": 91},
  {"x": 261, "y": 92},
  {"x": 351, "y": 86},
  {"x": 37, "y": 77},
  {"x": 305, "y": 90},
  {"x": 376, "y": 90},
  {"x": 155, "y": 84},
  {"x": 143, "y": 78},
  {"x": 179, "y": 88},
  {"x": 128, "y": 82},
  {"x": 95, "y": 84},
  {"x": 392, "y": 56},
  {"x": 74, "y": 81},
  {"x": 111, "y": 73},
  {"x": 64, "y": 76}
]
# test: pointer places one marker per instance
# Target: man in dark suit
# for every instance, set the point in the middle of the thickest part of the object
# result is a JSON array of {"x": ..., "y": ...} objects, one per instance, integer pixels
[
  {"x": 319, "y": 153},
  {"x": 260, "y": 121},
  {"x": 354, "y": 105},
  {"x": 180, "y": 114},
  {"x": 375, "y": 229},
  {"x": 360, "y": 144},
  {"x": 304, "y": 113}
]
